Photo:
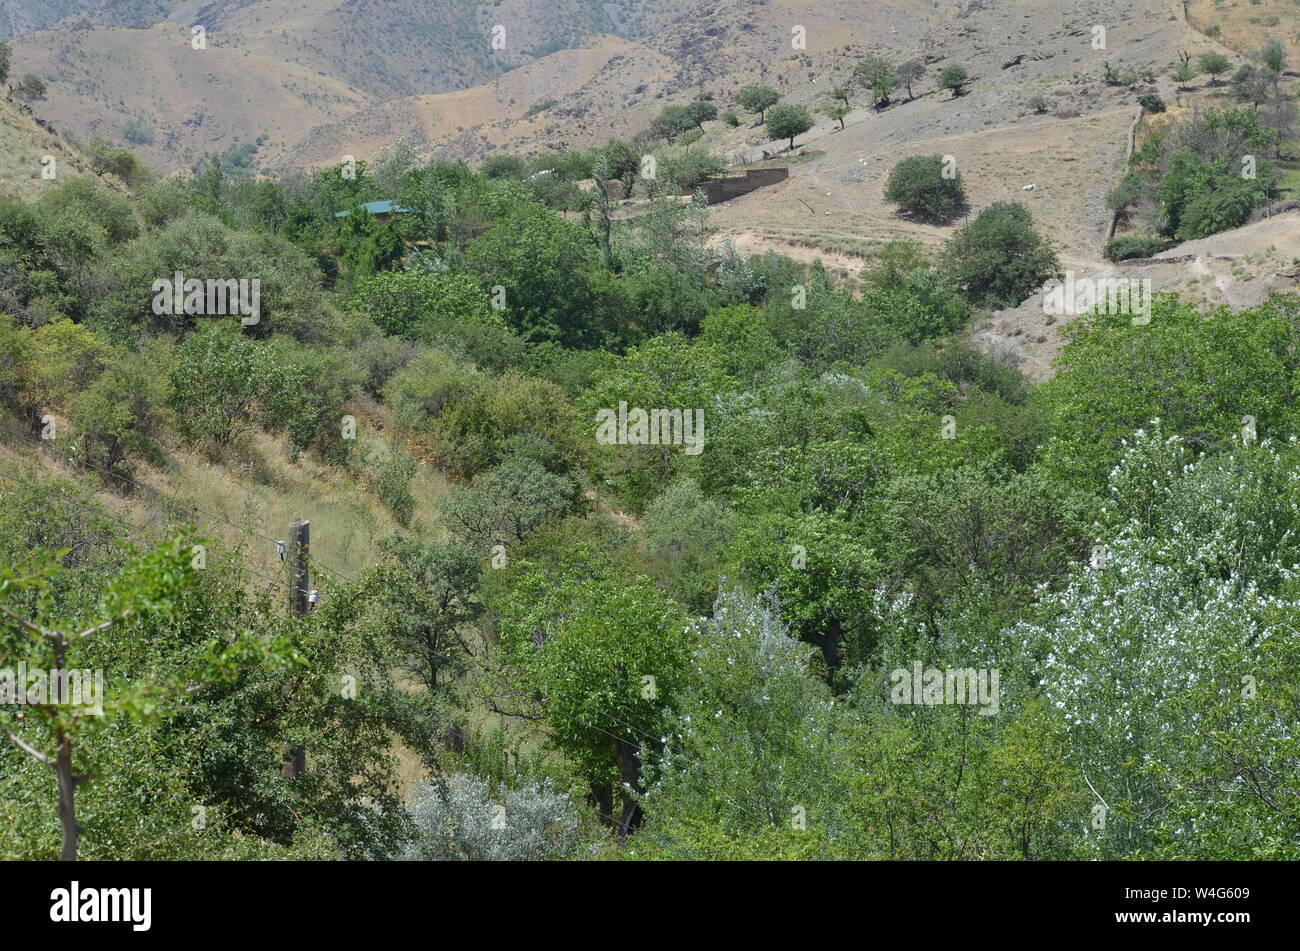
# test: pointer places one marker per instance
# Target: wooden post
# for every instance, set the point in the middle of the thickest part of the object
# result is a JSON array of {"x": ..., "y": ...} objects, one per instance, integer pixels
[
  {"x": 299, "y": 580},
  {"x": 299, "y": 550}
]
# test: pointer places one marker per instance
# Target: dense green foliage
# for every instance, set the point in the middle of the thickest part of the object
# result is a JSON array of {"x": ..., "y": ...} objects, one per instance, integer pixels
[{"x": 674, "y": 634}]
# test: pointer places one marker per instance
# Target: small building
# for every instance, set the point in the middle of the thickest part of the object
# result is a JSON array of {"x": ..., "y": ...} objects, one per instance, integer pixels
[{"x": 380, "y": 210}]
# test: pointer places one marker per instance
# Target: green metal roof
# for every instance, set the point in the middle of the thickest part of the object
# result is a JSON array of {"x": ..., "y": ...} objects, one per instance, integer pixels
[{"x": 379, "y": 208}]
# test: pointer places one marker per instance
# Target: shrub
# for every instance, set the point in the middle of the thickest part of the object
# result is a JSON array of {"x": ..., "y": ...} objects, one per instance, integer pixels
[
  {"x": 137, "y": 132},
  {"x": 392, "y": 484},
  {"x": 473, "y": 433},
  {"x": 1150, "y": 102},
  {"x": 1038, "y": 103},
  {"x": 456, "y": 820},
  {"x": 119, "y": 412},
  {"x": 919, "y": 185},
  {"x": 953, "y": 77},
  {"x": 1134, "y": 246}
]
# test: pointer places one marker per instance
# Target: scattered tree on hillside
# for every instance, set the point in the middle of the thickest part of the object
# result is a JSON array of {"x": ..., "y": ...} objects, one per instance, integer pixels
[
  {"x": 924, "y": 185},
  {"x": 910, "y": 72},
  {"x": 998, "y": 259},
  {"x": 700, "y": 112},
  {"x": 1250, "y": 84},
  {"x": 6, "y": 55},
  {"x": 1183, "y": 74},
  {"x": 759, "y": 99},
  {"x": 953, "y": 77},
  {"x": 1150, "y": 102},
  {"x": 672, "y": 122},
  {"x": 787, "y": 122},
  {"x": 1273, "y": 56},
  {"x": 876, "y": 74},
  {"x": 1215, "y": 64},
  {"x": 31, "y": 87},
  {"x": 837, "y": 112}
]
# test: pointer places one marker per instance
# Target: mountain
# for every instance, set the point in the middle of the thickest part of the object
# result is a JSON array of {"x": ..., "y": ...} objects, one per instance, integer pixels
[
  {"x": 23, "y": 16},
  {"x": 127, "y": 70}
]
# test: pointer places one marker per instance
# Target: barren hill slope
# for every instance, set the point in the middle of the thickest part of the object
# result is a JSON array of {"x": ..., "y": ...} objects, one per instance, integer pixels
[
  {"x": 24, "y": 148},
  {"x": 1237, "y": 268},
  {"x": 281, "y": 67}
]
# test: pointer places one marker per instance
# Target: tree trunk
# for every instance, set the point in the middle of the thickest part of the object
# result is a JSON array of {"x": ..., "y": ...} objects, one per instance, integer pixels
[
  {"x": 628, "y": 758},
  {"x": 67, "y": 799},
  {"x": 601, "y": 798}
]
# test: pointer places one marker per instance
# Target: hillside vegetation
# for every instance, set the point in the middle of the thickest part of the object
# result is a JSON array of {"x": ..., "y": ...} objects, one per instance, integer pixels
[{"x": 627, "y": 544}]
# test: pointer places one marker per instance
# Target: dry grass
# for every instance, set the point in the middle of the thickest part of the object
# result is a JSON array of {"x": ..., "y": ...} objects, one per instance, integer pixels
[{"x": 1247, "y": 25}]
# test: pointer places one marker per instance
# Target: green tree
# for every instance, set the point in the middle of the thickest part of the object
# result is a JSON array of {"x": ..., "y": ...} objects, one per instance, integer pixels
[
  {"x": 1152, "y": 103},
  {"x": 604, "y": 652},
  {"x": 419, "y": 600},
  {"x": 953, "y": 77},
  {"x": 1183, "y": 74},
  {"x": 52, "y": 729},
  {"x": 499, "y": 414},
  {"x": 924, "y": 185},
  {"x": 1200, "y": 377},
  {"x": 741, "y": 337},
  {"x": 700, "y": 112},
  {"x": 998, "y": 259},
  {"x": 392, "y": 484},
  {"x": 121, "y": 411},
  {"x": 1250, "y": 85},
  {"x": 419, "y": 304},
  {"x": 30, "y": 87},
  {"x": 758, "y": 99},
  {"x": 910, "y": 72},
  {"x": 219, "y": 376},
  {"x": 787, "y": 121},
  {"x": 820, "y": 573},
  {"x": 508, "y": 502},
  {"x": 686, "y": 533},
  {"x": 546, "y": 268},
  {"x": 876, "y": 74},
  {"x": 1215, "y": 64},
  {"x": 921, "y": 306},
  {"x": 665, "y": 373}
]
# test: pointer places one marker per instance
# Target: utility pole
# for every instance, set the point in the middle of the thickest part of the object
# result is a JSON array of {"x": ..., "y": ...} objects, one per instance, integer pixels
[{"x": 299, "y": 550}]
